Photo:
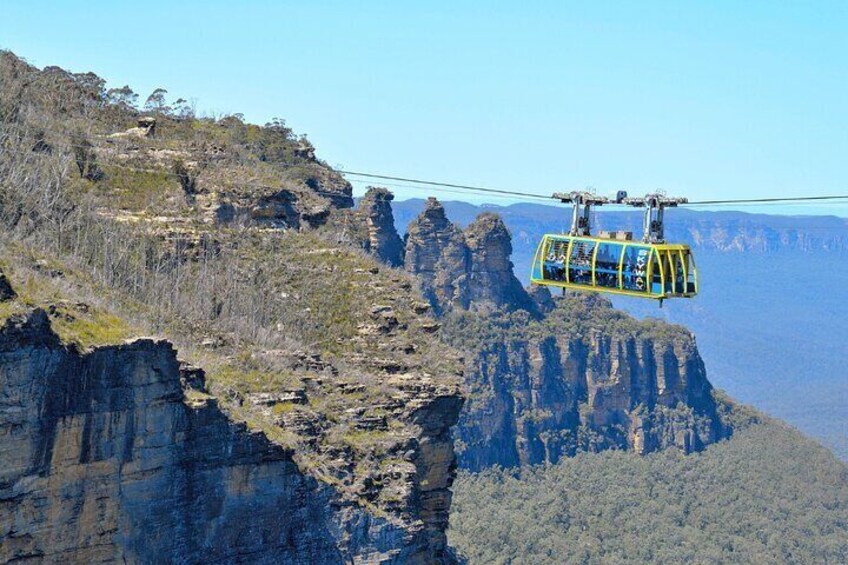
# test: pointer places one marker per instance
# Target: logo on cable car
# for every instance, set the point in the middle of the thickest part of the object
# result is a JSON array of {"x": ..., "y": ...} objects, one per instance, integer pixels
[{"x": 639, "y": 271}]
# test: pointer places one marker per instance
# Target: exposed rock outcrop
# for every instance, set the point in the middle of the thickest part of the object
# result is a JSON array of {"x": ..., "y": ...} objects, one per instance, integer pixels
[
  {"x": 146, "y": 128},
  {"x": 436, "y": 252},
  {"x": 383, "y": 240},
  {"x": 547, "y": 377},
  {"x": 491, "y": 278},
  {"x": 586, "y": 378},
  {"x": 6, "y": 290},
  {"x": 463, "y": 269},
  {"x": 329, "y": 184},
  {"x": 107, "y": 458},
  {"x": 280, "y": 209}
]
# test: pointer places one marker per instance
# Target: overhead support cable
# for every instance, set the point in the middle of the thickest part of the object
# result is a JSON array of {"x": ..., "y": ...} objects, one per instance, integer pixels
[
  {"x": 768, "y": 200},
  {"x": 440, "y": 186},
  {"x": 446, "y": 184}
]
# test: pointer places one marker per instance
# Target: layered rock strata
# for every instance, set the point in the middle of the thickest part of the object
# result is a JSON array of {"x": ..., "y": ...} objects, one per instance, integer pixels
[
  {"x": 541, "y": 392},
  {"x": 106, "y": 457},
  {"x": 550, "y": 377},
  {"x": 463, "y": 269},
  {"x": 382, "y": 240}
]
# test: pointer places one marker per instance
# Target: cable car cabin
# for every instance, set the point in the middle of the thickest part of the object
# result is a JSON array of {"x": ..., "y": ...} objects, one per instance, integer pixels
[{"x": 616, "y": 266}]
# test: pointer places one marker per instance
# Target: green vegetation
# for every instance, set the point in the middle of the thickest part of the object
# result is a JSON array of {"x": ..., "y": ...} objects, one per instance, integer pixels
[
  {"x": 139, "y": 190},
  {"x": 574, "y": 317},
  {"x": 200, "y": 232},
  {"x": 78, "y": 323},
  {"x": 768, "y": 495}
]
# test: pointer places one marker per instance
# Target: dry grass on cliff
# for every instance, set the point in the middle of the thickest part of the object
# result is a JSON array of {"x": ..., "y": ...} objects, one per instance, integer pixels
[
  {"x": 41, "y": 284},
  {"x": 266, "y": 312},
  {"x": 112, "y": 252}
]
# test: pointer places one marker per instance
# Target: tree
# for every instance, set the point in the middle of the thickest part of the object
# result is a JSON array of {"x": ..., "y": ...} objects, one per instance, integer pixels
[
  {"x": 183, "y": 109},
  {"x": 86, "y": 158},
  {"x": 123, "y": 96},
  {"x": 156, "y": 102}
]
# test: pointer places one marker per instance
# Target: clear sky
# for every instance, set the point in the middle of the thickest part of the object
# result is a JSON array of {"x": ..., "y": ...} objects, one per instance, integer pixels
[{"x": 704, "y": 99}]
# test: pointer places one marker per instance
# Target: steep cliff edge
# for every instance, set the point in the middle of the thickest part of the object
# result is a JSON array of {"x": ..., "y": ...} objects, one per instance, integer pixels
[
  {"x": 549, "y": 377},
  {"x": 106, "y": 457},
  {"x": 116, "y": 452},
  {"x": 381, "y": 238},
  {"x": 326, "y": 408},
  {"x": 217, "y": 234},
  {"x": 584, "y": 378}
]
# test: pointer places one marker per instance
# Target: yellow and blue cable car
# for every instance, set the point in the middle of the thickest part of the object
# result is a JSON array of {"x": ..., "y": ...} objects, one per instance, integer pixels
[{"x": 614, "y": 263}]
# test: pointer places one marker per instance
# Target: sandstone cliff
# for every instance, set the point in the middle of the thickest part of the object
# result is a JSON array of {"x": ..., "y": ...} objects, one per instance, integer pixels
[
  {"x": 463, "y": 269},
  {"x": 106, "y": 457},
  {"x": 382, "y": 239},
  {"x": 491, "y": 279},
  {"x": 239, "y": 244},
  {"x": 586, "y": 378},
  {"x": 550, "y": 377},
  {"x": 279, "y": 454}
]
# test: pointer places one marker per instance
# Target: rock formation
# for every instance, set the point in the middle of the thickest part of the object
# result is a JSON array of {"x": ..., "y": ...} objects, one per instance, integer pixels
[
  {"x": 491, "y": 278},
  {"x": 6, "y": 290},
  {"x": 107, "y": 458},
  {"x": 463, "y": 269},
  {"x": 329, "y": 184},
  {"x": 548, "y": 378},
  {"x": 383, "y": 240},
  {"x": 436, "y": 252},
  {"x": 146, "y": 128},
  {"x": 584, "y": 379}
]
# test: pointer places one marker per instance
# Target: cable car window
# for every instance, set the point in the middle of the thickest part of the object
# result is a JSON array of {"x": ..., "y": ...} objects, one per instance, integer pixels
[
  {"x": 554, "y": 260},
  {"x": 691, "y": 282},
  {"x": 635, "y": 268},
  {"x": 679, "y": 272},
  {"x": 656, "y": 278},
  {"x": 580, "y": 264},
  {"x": 668, "y": 270},
  {"x": 606, "y": 264}
]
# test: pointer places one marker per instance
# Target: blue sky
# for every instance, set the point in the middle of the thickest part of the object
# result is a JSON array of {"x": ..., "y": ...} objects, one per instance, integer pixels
[{"x": 703, "y": 99}]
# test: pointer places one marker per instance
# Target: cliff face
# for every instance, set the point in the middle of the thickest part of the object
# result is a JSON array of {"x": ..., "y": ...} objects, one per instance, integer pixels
[
  {"x": 544, "y": 390},
  {"x": 382, "y": 239},
  {"x": 463, "y": 269},
  {"x": 550, "y": 377},
  {"x": 106, "y": 457},
  {"x": 436, "y": 252}
]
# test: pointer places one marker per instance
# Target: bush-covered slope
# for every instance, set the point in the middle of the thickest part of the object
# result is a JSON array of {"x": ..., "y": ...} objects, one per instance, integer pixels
[
  {"x": 229, "y": 240},
  {"x": 768, "y": 495}
]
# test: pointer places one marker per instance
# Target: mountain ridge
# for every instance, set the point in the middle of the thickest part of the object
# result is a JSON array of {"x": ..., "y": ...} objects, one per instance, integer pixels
[
  {"x": 313, "y": 337},
  {"x": 753, "y": 299}
]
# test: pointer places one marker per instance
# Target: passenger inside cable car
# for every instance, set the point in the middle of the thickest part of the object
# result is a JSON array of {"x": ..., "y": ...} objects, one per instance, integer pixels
[{"x": 622, "y": 267}]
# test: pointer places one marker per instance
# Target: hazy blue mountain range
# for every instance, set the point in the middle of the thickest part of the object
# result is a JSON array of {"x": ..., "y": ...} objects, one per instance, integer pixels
[{"x": 770, "y": 319}]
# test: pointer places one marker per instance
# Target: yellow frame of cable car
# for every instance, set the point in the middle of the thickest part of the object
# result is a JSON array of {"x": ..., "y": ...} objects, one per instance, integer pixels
[{"x": 657, "y": 252}]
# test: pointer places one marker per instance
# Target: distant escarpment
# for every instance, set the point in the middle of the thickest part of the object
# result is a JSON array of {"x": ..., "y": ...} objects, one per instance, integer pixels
[
  {"x": 549, "y": 377},
  {"x": 117, "y": 454},
  {"x": 714, "y": 231},
  {"x": 583, "y": 378}
]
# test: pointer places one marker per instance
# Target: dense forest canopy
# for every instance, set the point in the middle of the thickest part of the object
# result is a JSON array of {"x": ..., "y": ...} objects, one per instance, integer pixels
[{"x": 768, "y": 495}]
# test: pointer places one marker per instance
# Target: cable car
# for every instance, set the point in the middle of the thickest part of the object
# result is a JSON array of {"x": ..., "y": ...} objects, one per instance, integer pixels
[{"x": 613, "y": 262}]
